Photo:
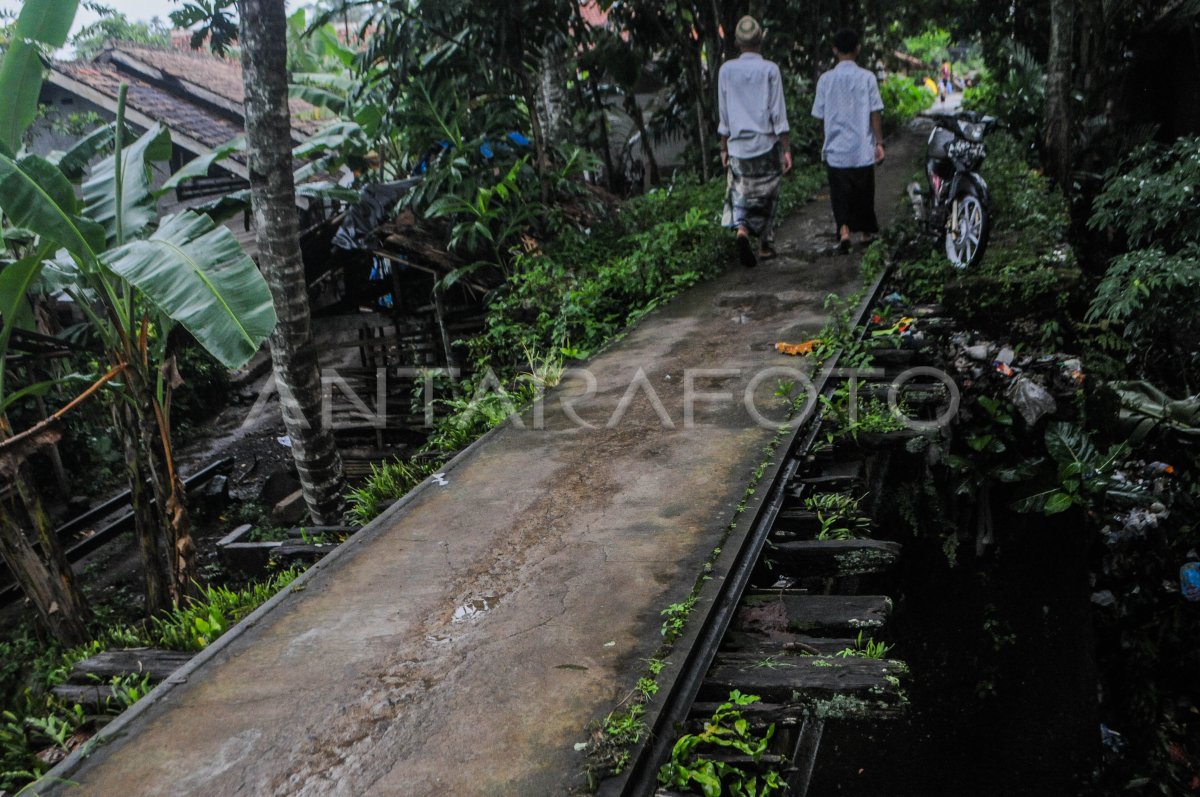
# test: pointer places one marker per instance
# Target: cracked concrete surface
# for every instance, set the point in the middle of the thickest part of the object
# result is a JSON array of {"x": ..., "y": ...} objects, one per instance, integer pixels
[{"x": 461, "y": 644}]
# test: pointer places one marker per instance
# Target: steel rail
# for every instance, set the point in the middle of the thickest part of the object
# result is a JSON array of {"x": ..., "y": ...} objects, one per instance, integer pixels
[{"x": 681, "y": 680}]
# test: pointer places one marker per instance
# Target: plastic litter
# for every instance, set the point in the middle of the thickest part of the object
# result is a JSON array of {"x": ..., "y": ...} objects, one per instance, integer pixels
[
  {"x": 1104, "y": 598},
  {"x": 440, "y": 479},
  {"x": 285, "y": 441},
  {"x": 979, "y": 351},
  {"x": 1189, "y": 581},
  {"x": 1111, "y": 739},
  {"x": 1031, "y": 399},
  {"x": 376, "y": 204},
  {"x": 798, "y": 349}
]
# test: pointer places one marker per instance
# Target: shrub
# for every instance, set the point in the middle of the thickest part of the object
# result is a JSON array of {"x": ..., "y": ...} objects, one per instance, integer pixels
[
  {"x": 1151, "y": 196},
  {"x": 903, "y": 98}
]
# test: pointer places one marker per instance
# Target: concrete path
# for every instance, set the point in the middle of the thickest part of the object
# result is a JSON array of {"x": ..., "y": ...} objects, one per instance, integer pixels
[{"x": 461, "y": 643}]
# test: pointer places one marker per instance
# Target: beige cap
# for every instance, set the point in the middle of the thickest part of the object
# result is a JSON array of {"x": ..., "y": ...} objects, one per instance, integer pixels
[{"x": 748, "y": 32}]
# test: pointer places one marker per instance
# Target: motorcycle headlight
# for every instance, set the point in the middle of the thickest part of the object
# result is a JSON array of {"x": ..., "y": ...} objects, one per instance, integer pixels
[{"x": 972, "y": 131}]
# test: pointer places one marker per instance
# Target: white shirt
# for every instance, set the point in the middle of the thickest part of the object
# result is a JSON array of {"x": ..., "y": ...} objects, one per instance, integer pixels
[
  {"x": 846, "y": 96},
  {"x": 750, "y": 100}
]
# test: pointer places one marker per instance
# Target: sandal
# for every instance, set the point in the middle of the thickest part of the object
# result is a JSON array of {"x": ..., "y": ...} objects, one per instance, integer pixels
[
  {"x": 844, "y": 246},
  {"x": 766, "y": 253}
]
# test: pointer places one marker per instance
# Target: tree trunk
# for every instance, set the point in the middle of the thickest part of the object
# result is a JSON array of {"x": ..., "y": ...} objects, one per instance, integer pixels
[
  {"x": 147, "y": 525},
  {"x": 635, "y": 112},
  {"x": 605, "y": 144},
  {"x": 37, "y": 583},
  {"x": 1057, "y": 149},
  {"x": 46, "y": 578},
  {"x": 273, "y": 198}
]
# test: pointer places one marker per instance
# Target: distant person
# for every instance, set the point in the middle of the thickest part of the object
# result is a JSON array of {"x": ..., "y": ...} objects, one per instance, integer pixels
[
  {"x": 947, "y": 81},
  {"x": 849, "y": 104},
  {"x": 754, "y": 142}
]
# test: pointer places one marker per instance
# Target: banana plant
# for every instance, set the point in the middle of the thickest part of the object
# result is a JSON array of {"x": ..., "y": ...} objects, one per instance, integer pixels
[{"x": 136, "y": 278}]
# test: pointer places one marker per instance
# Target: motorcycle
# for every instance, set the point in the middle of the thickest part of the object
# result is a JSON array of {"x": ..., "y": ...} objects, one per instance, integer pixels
[{"x": 956, "y": 206}]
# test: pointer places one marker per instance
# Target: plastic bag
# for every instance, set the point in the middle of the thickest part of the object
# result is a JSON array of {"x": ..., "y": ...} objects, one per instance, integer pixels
[{"x": 1031, "y": 399}]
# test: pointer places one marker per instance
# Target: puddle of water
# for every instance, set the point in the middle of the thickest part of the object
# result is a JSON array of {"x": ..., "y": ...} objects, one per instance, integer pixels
[{"x": 473, "y": 608}]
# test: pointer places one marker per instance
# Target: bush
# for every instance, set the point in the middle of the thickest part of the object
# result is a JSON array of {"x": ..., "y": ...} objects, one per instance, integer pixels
[
  {"x": 1151, "y": 197},
  {"x": 1014, "y": 92},
  {"x": 903, "y": 98}
]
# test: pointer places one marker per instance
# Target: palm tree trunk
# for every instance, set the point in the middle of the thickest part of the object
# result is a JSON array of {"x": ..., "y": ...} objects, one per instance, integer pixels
[{"x": 273, "y": 198}]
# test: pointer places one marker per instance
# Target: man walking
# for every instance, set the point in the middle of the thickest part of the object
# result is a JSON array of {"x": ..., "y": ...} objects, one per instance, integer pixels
[
  {"x": 848, "y": 102},
  {"x": 754, "y": 141}
]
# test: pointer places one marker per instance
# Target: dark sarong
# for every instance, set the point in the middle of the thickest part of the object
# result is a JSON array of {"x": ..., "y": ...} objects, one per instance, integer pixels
[
  {"x": 752, "y": 194},
  {"x": 852, "y": 194}
]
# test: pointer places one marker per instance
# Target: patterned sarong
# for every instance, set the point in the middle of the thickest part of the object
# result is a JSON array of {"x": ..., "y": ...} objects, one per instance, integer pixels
[{"x": 752, "y": 194}]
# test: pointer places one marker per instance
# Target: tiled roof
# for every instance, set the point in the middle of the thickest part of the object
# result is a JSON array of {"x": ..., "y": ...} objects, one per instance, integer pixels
[
  {"x": 221, "y": 76},
  {"x": 202, "y": 124},
  {"x": 195, "y": 94}
]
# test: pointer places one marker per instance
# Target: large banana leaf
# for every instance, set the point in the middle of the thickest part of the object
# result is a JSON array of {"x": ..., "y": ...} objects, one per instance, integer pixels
[
  {"x": 138, "y": 205},
  {"x": 74, "y": 162},
  {"x": 199, "y": 166},
  {"x": 229, "y": 205},
  {"x": 197, "y": 274},
  {"x": 34, "y": 194},
  {"x": 15, "y": 280},
  {"x": 41, "y": 22}
]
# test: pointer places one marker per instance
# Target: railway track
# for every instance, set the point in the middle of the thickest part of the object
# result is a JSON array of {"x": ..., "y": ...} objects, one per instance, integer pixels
[
  {"x": 775, "y": 616},
  {"x": 103, "y": 523}
]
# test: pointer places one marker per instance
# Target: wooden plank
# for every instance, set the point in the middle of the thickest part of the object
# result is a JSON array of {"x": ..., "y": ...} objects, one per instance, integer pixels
[
  {"x": 837, "y": 557},
  {"x": 828, "y": 482},
  {"x": 817, "y": 685},
  {"x": 158, "y": 664},
  {"x": 755, "y": 643},
  {"x": 95, "y": 698},
  {"x": 819, "y": 615}
]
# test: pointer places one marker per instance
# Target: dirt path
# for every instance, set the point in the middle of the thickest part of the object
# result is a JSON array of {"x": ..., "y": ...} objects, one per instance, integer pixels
[{"x": 461, "y": 643}]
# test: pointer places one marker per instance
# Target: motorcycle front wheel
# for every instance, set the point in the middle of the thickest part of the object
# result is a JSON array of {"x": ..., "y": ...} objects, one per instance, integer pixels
[{"x": 967, "y": 230}]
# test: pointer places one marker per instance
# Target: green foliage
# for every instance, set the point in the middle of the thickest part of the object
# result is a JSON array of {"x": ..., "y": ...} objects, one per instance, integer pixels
[
  {"x": 196, "y": 625},
  {"x": 1150, "y": 197},
  {"x": 676, "y": 618},
  {"x": 386, "y": 483},
  {"x": 726, "y": 731},
  {"x": 903, "y": 98},
  {"x": 838, "y": 516},
  {"x": 587, "y": 285},
  {"x": 866, "y": 649},
  {"x": 31, "y": 718},
  {"x": 1014, "y": 91},
  {"x": 1081, "y": 471},
  {"x": 487, "y": 224},
  {"x": 930, "y": 46},
  {"x": 1145, "y": 304},
  {"x": 91, "y": 39}
]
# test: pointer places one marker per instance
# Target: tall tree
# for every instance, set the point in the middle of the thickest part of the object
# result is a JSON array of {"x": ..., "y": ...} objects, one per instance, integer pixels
[
  {"x": 1058, "y": 130},
  {"x": 263, "y": 38}
]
